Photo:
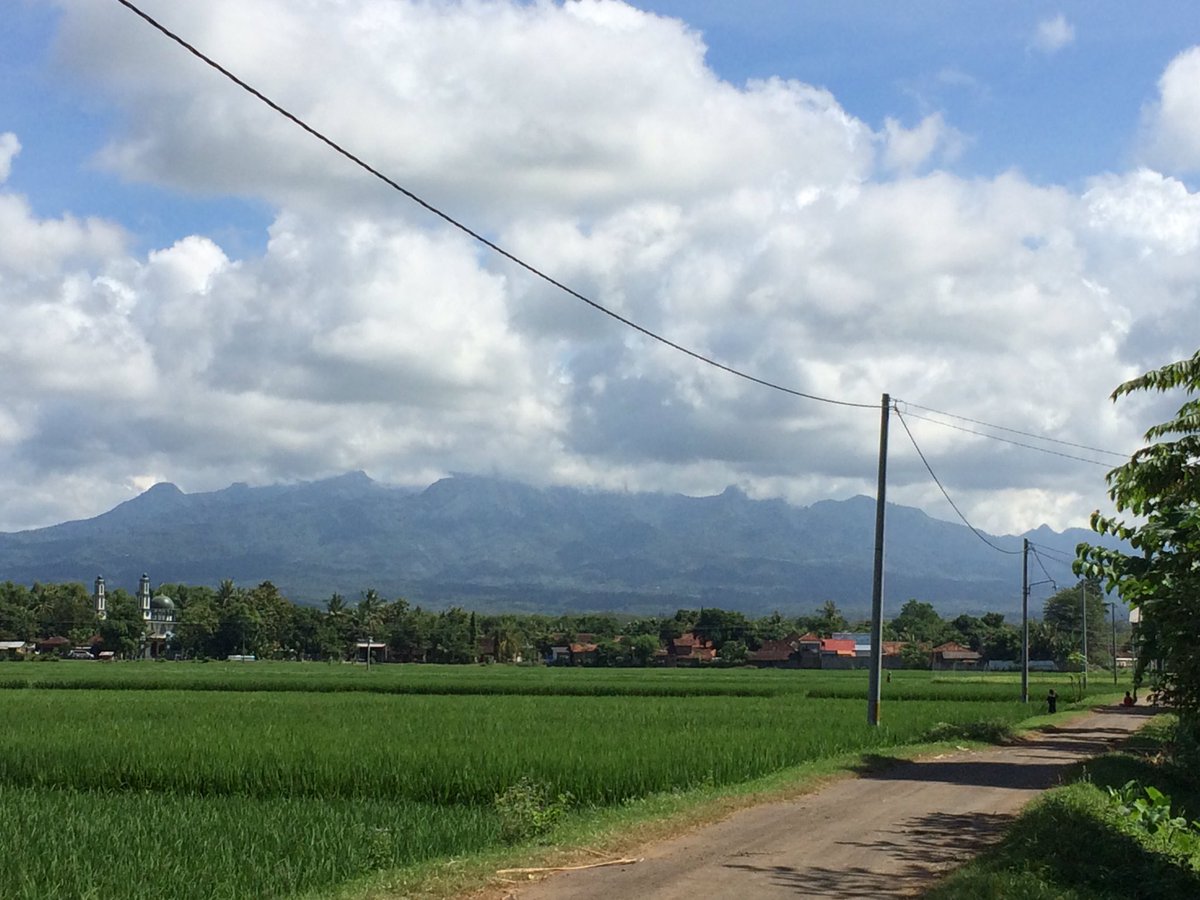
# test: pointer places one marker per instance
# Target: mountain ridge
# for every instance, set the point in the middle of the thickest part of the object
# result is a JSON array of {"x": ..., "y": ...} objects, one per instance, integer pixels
[{"x": 489, "y": 543}]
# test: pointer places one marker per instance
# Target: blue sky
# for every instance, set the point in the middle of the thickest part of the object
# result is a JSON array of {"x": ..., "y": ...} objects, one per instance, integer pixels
[{"x": 989, "y": 209}]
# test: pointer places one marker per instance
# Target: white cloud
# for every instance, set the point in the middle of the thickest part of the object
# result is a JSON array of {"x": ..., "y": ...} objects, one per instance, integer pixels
[
  {"x": 1171, "y": 125},
  {"x": 9, "y": 148},
  {"x": 762, "y": 225},
  {"x": 909, "y": 149},
  {"x": 1052, "y": 35},
  {"x": 580, "y": 107}
]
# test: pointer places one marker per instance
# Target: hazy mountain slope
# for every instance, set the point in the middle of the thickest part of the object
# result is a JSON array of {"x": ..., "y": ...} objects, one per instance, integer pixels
[{"x": 488, "y": 543}]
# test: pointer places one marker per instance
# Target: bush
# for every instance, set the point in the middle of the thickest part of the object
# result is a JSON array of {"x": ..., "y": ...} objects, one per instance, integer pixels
[
  {"x": 527, "y": 811},
  {"x": 992, "y": 731}
]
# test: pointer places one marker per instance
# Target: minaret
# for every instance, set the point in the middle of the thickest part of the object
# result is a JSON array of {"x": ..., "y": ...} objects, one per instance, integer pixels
[
  {"x": 144, "y": 596},
  {"x": 100, "y": 599}
]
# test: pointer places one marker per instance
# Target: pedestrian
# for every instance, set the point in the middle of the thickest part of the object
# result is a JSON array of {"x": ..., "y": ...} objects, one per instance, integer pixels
[
  {"x": 1128, "y": 701},
  {"x": 1052, "y": 701}
]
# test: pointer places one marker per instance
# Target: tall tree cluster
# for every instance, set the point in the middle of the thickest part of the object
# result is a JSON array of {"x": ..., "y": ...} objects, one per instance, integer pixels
[{"x": 1160, "y": 489}]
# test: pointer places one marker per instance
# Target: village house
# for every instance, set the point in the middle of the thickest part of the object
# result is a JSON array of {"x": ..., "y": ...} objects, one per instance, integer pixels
[
  {"x": 690, "y": 650},
  {"x": 951, "y": 655}
]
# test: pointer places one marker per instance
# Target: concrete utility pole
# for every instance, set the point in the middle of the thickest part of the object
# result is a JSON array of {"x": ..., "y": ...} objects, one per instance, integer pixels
[
  {"x": 876, "y": 679},
  {"x": 1025, "y": 620}
]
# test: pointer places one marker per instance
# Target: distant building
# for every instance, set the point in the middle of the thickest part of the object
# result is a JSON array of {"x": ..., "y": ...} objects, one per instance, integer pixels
[
  {"x": 952, "y": 655},
  {"x": 158, "y": 615}
]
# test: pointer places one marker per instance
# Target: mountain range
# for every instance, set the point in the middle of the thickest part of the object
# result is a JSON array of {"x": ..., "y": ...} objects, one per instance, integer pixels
[{"x": 489, "y": 544}]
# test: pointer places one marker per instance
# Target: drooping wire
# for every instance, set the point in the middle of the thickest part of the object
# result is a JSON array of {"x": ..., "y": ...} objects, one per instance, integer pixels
[
  {"x": 996, "y": 437},
  {"x": 1056, "y": 555},
  {"x": 1038, "y": 557},
  {"x": 491, "y": 245},
  {"x": 1028, "y": 434},
  {"x": 979, "y": 534}
]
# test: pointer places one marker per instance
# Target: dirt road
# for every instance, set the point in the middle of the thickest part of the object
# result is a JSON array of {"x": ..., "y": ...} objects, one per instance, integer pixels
[{"x": 886, "y": 834}]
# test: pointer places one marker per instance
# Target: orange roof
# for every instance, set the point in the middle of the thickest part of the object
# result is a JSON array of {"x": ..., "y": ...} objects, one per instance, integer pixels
[{"x": 838, "y": 645}]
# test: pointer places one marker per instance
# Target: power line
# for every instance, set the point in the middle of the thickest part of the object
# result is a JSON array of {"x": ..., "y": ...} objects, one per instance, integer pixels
[
  {"x": 979, "y": 534},
  {"x": 1042, "y": 566},
  {"x": 329, "y": 142},
  {"x": 1056, "y": 555},
  {"x": 996, "y": 437},
  {"x": 1028, "y": 434}
]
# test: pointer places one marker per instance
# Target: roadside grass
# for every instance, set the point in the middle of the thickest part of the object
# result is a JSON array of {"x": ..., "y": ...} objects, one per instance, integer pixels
[{"x": 1075, "y": 843}]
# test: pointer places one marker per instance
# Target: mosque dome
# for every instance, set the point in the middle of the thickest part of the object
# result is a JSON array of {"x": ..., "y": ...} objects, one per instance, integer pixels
[{"x": 162, "y": 601}]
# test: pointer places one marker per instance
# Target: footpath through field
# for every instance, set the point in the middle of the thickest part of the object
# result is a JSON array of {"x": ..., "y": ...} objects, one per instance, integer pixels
[{"x": 890, "y": 833}]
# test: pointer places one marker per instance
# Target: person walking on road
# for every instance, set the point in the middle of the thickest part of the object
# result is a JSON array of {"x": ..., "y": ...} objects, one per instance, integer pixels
[{"x": 1052, "y": 701}]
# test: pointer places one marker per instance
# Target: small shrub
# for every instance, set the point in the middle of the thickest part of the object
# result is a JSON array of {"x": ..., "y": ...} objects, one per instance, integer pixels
[
  {"x": 1148, "y": 810},
  {"x": 527, "y": 810},
  {"x": 992, "y": 731}
]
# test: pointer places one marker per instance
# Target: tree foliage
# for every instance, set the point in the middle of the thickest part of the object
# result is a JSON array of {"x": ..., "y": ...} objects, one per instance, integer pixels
[{"x": 1160, "y": 487}]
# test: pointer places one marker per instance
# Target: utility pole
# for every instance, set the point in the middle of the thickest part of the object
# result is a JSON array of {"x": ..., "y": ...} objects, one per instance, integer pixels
[
  {"x": 1083, "y": 680},
  {"x": 876, "y": 679},
  {"x": 1025, "y": 621}
]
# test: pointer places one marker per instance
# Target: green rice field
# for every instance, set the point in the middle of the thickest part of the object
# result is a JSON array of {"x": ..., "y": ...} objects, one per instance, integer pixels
[{"x": 278, "y": 780}]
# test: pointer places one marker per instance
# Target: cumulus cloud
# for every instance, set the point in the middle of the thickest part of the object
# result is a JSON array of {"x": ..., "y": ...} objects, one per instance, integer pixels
[
  {"x": 1171, "y": 124},
  {"x": 909, "y": 149},
  {"x": 762, "y": 225},
  {"x": 1052, "y": 34},
  {"x": 9, "y": 148}
]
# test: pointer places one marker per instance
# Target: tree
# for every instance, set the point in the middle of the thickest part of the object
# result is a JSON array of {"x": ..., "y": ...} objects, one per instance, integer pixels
[
  {"x": 827, "y": 620},
  {"x": 920, "y": 622},
  {"x": 450, "y": 637},
  {"x": 772, "y": 628},
  {"x": 369, "y": 613},
  {"x": 733, "y": 652},
  {"x": 123, "y": 629},
  {"x": 1160, "y": 487},
  {"x": 721, "y": 625},
  {"x": 642, "y": 648},
  {"x": 1063, "y": 613}
]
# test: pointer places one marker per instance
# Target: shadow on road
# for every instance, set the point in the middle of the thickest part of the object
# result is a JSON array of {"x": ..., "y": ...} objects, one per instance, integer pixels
[
  {"x": 926, "y": 846},
  {"x": 1035, "y": 762}
]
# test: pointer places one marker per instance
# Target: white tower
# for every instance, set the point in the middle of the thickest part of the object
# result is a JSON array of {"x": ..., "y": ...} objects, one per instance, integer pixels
[
  {"x": 100, "y": 598},
  {"x": 144, "y": 596}
]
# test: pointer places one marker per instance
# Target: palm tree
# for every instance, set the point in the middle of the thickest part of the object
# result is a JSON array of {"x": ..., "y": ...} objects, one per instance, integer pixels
[
  {"x": 369, "y": 613},
  {"x": 335, "y": 606}
]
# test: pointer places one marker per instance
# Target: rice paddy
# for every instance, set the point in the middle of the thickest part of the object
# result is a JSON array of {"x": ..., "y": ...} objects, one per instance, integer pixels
[{"x": 220, "y": 780}]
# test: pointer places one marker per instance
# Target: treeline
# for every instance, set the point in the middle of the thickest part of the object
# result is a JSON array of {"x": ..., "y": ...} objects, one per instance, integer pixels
[{"x": 260, "y": 621}]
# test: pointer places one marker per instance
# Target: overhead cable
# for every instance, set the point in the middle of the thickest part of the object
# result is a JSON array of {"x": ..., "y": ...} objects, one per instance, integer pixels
[
  {"x": 996, "y": 437},
  {"x": 1056, "y": 555},
  {"x": 979, "y": 534},
  {"x": 296, "y": 120},
  {"x": 1037, "y": 556},
  {"x": 1028, "y": 434}
]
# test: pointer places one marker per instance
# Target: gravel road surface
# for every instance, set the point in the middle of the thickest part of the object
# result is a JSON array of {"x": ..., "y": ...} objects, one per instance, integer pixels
[{"x": 889, "y": 833}]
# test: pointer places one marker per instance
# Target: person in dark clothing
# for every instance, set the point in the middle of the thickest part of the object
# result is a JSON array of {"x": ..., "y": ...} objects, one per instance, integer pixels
[
  {"x": 1128, "y": 701},
  {"x": 1052, "y": 701}
]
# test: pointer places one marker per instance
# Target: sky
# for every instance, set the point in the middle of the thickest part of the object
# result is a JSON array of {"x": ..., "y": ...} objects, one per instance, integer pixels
[{"x": 987, "y": 210}]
